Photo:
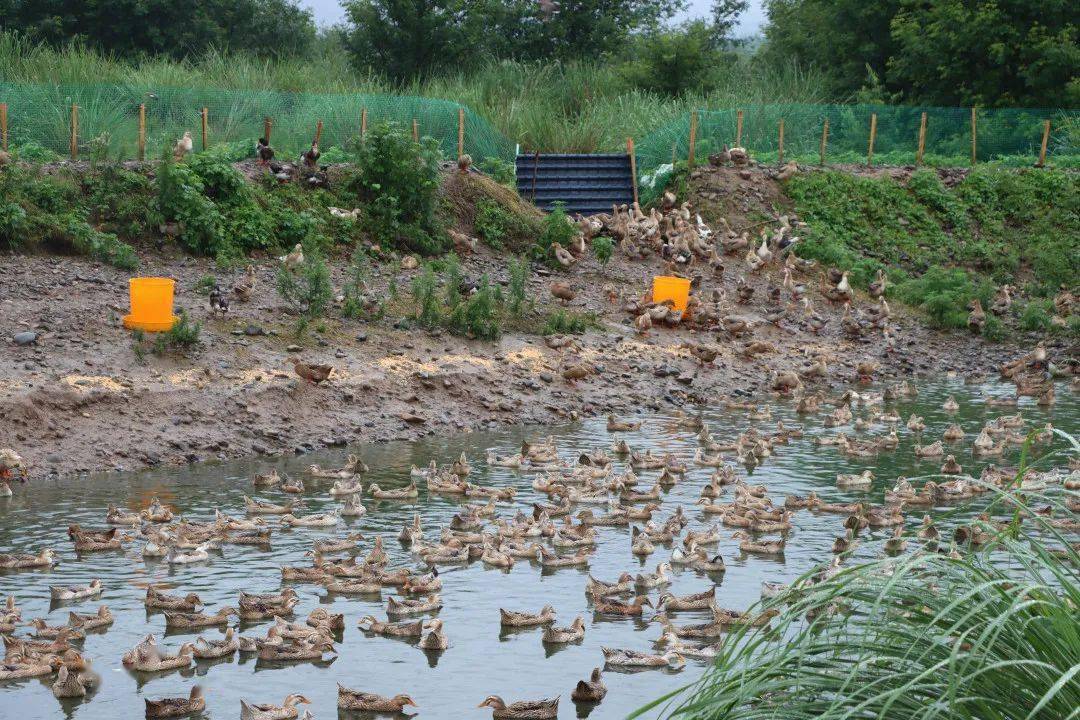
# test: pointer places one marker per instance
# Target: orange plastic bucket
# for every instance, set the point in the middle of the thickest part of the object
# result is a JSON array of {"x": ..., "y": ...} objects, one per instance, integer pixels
[
  {"x": 151, "y": 304},
  {"x": 675, "y": 289}
]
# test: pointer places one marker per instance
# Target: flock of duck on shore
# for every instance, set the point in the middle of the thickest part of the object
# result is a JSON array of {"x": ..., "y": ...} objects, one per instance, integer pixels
[{"x": 584, "y": 496}]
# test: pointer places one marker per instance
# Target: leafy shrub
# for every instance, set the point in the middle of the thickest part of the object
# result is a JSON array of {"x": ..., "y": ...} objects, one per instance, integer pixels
[
  {"x": 519, "y": 275},
  {"x": 994, "y": 329},
  {"x": 477, "y": 316},
  {"x": 563, "y": 322},
  {"x": 398, "y": 180},
  {"x": 603, "y": 247},
  {"x": 556, "y": 228},
  {"x": 425, "y": 288},
  {"x": 944, "y": 295},
  {"x": 1035, "y": 317},
  {"x": 501, "y": 171},
  {"x": 309, "y": 291},
  {"x": 184, "y": 334}
]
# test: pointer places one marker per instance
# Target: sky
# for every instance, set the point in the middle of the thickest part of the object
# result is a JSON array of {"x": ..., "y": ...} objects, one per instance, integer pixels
[{"x": 328, "y": 12}]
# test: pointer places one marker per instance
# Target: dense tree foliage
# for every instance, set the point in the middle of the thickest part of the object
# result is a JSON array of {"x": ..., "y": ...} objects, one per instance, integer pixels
[
  {"x": 945, "y": 52},
  {"x": 408, "y": 38},
  {"x": 166, "y": 27}
]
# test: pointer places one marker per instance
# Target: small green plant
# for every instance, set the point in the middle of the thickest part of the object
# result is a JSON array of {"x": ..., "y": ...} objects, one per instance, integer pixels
[
  {"x": 603, "y": 247},
  {"x": 308, "y": 291},
  {"x": 1035, "y": 317},
  {"x": 359, "y": 304},
  {"x": 562, "y": 322},
  {"x": 478, "y": 316},
  {"x": 425, "y": 288},
  {"x": 183, "y": 335},
  {"x": 519, "y": 276},
  {"x": 204, "y": 285},
  {"x": 501, "y": 171},
  {"x": 556, "y": 228},
  {"x": 994, "y": 329}
]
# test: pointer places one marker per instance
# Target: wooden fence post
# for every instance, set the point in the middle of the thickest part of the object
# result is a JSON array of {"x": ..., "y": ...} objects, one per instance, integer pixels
[
  {"x": 633, "y": 165},
  {"x": 1042, "y": 148},
  {"x": 738, "y": 128},
  {"x": 460, "y": 132},
  {"x": 142, "y": 132},
  {"x": 318, "y": 132},
  {"x": 3, "y": 127},
  {"x": 780, "y": 152},
  {"x": 268, "y": 127},
  {"x": 922, "y": 140},
  {"x": 693, "y": 139},
  {"x": 363, "y": 122},
  {"x": 74, "y": 132},
  {"x": 824, "y": 139},
  {"x": 873, "y": 135},
  {"x": 415, "y": 130},
  {"x": 205, "y": 126},
  {"x": 974, "y": 136}
]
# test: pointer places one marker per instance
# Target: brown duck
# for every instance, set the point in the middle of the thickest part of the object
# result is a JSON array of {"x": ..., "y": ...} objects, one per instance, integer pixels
[{"x": 312, "y": 373}]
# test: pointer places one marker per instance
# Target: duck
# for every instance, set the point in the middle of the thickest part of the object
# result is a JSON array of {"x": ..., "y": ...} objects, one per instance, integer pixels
[
  {"x": 102, "y": 618},
  {"x": 314, "y": 650},
  {"x": 71, "y": 683},
  {"x": 953, "y": 433},
  {"x": 976, "y": 319},
  {"x": 163, "y": 601},
  {"x": 177, "y": 707},
  {"x": 353, "y": 506},
  {"x": 564, "y": 257},
  {"x": 265, "y": 711},
  {"x": 260, "y": 507},
  {"x": 896, "y": 544},
  {"x": 761, "y": 547},
  {"x": 697, "y": 601},
  {"x": 592, "y": 690},
  {"x": 52, "y": 632},
  {"x": 935, "y": 449},
  {"x": 212, "y": 649},
  {"x": 76, "y": 592},
  {"x": 915, "y": 423},
  {"x": 614, "y": 607},
  {"x": 950, "y": 405},
  {"x": 511, "y": 618},
  {"x": 505, "y": 461},
  {"x": 329, "y": 519},
  {"x": 862, "y": 481},
  {"x": 12, "y": 669},
  {"x": 183, "y": 146},
  {"x": 314, "y": 374},
  {"x": 148, "y": 658},
  {"x": 199, "y": 554},
  {"x": 409, "y": 606},
  {"x": 635, "y": 658},
  {"x": 878, "y": 286},
  {"x": 434, "y": 638},
  {"x": 951, "y": 466},
  {"x": 597, "y": 588},
  {"x": 554, "y": 635},
  {"x": 370, "y": 702},
  {"x": 19, "y": 561},
  {"x": 546, "y": 709},
  {"x": 412, "y": 628},
  {"x": 197, "y": 620},
  {"x": 928, "y": 531},
  {"x": 406, "y": 493},
  {"x": 662, "y": 576},
  {"x": 292, "y": 486}
]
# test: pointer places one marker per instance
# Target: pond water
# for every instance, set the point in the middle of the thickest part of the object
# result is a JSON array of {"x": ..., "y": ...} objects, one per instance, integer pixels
[{"x": 481, "y": 659}]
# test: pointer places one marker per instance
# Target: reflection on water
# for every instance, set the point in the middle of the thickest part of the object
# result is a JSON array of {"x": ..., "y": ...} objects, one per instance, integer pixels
[{"x": 482, "y": 659}]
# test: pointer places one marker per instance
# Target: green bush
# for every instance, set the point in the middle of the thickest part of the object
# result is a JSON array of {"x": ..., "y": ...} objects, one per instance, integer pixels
[
  {"x": 499, "y": 170},
  {"x": 309, "y": 291},
  {"x": 563, "y": 322},
  {"x": 944, "y": 294},
  {"x": 556, "y": 228},
  {"x": 184, "y": 334},
  {"x": 994, "y": 329},
  {"x": 478, "y": 315},
  {"x": 425, "y": 289},
  {"x": 1035, "y": 317},
  {"x": 398, "y": 180},
  {"x": 603, "y": 248},
  {"x": 519, "y": 276}
]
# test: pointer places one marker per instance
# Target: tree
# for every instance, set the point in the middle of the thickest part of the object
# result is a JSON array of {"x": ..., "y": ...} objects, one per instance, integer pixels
[
  {"x": 987, "y": 52},
  {"x": 673, "y": 60},
  {"x": 725, "y": 15},
  {"x": 839, "y": 37},
  {"x": 132, "y": 27}
]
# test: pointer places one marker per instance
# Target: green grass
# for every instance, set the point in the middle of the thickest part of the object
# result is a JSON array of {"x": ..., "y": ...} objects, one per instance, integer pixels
[
  {"x": 942, "y": 246},
  {"x": 991, "y": 635}
]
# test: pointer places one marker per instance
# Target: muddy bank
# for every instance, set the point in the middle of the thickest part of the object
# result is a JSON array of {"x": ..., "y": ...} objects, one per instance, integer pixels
[{"x": 80, "y": 398}]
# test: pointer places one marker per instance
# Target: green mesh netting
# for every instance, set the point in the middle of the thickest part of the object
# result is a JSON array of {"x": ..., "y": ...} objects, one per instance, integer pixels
[
  {"x": 1011, "y": 136},
  {"x": 109, "y": 116}
]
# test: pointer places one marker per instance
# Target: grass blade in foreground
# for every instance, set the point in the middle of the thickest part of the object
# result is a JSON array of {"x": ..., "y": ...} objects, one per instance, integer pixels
[{"x": 993, "y": 635}]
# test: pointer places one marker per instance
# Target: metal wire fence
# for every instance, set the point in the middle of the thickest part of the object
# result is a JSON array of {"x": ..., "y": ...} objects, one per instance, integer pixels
[
  {"x": 107, "y": 118},
  {"x": 836, "y": 134}
]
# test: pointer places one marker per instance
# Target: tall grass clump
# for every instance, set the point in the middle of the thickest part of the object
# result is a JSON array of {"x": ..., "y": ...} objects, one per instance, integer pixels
[{"x": 991, "y": 635}]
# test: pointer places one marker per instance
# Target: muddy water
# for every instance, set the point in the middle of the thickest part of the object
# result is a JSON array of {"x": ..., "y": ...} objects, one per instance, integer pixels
[{"x": 481, "y": 660}]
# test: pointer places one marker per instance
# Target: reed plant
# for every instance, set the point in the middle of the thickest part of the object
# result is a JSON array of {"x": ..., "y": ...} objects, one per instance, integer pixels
[{"x": 989, "y": 635}]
